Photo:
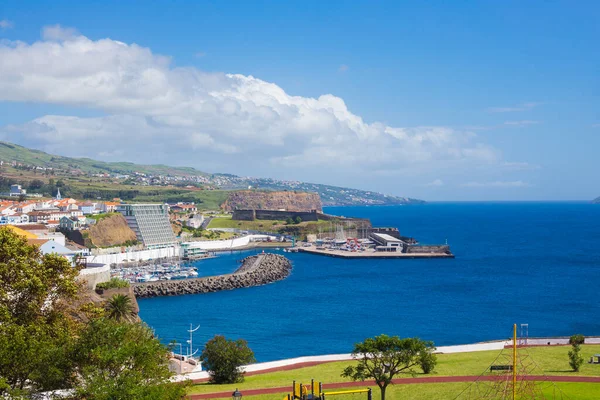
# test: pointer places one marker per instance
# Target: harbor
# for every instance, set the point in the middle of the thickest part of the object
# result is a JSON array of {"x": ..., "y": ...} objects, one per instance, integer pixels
[{"x": 368, "y": 253}]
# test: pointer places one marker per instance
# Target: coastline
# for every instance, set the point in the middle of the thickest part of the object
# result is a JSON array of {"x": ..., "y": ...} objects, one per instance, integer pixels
[{"x": 306, "y": 361}]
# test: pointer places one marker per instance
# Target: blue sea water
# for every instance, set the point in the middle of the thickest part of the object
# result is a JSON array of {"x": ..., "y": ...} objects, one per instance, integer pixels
[{"x": 535, "y": 263}]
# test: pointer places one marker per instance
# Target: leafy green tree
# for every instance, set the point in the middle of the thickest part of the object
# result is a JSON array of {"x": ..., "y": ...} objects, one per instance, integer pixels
[
  {"x": 36, "y": 330},
  {"x": 289, "y": 221},
  {"x": 575, "y": 358},
  {"x": 223, "y": 359},
  {"x": 116, "y": 361},
  {"x": 383, "y": 357},
  {"x": 298, "y": 220},
  {"x": 120, "y": 308},
  {"x": 577, "y": 339}
]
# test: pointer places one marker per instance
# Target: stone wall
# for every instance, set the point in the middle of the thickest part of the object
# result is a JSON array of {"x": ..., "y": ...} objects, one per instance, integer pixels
[
  {"x": 437, "y": 249},
  {"x": 251, "y": 215},
  {"x": 255, "y": 271},
  {"x": 93, "y": 274}
]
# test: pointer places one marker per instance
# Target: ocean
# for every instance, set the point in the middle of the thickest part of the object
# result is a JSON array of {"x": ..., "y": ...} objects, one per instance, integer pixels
[{"x": 533, "y": 263}]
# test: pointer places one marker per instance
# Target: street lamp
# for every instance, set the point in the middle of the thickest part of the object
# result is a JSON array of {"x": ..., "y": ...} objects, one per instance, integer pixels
[{"x": 237, "y": 395}]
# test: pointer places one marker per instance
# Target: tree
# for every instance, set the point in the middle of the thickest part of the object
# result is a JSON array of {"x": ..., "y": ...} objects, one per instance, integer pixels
[
  {"x": 383, "y": 357},
  {"x": 120, "y": 308},
  {"x": 36, "y": 184},
  {"x": 35, "y": 326},
  {"x": 223, "y": 359},
  {"x": 577, "y": 339},
  {"x": 123, "y": 361},
  {"x": 575, "y": 358},
  {"x": 298, "y": 220}
]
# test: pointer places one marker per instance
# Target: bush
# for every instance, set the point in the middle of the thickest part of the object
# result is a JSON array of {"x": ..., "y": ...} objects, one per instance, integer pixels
[
  {"x": 298, "y": 220},
  {"x": 577, "y": 339},
  {"x": 223, "y": 359},
  {"x": 427, "y": 361},
  {"x": 114, "y": 283},
  {"x": 575, "y": 359}
]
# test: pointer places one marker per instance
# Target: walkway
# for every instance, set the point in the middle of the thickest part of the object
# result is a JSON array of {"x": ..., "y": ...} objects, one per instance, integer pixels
[{"x": 403, "y": 381}]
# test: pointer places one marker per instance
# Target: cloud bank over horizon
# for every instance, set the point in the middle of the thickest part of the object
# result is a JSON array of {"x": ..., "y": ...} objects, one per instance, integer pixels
[{"x": 150, "y": 111}]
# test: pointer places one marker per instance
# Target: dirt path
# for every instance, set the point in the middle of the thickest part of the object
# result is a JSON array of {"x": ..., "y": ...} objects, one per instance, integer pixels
[{"x": 404, "y": 381}]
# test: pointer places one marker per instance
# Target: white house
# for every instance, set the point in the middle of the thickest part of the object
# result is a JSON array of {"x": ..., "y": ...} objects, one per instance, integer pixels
[
  {"x": 15, "y": 219},
  {"x": 195, "y": 222},
  {"x": 88, "y": 208}
]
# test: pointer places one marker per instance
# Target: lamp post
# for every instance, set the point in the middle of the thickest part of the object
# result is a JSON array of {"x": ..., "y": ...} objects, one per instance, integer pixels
[{"x": 237, "y": 395}]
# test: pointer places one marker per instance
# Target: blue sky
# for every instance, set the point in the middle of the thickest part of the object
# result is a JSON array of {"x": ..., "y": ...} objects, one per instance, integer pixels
[{"x": 435, "y": 100}]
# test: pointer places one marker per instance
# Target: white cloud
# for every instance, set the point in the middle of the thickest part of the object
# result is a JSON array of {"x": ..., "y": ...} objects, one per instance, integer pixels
[
  {"x": 343, "y": 68},
  {"x": 496, "y": 184},
  {"x": 154, "y": 112},
  {"x": 59, "y": 33},
  {"x": 521, "y": 123},
  {"x": 6, "y": 24},
  {"x": 519, "y": 107},
  {"x": 435, "y": 182}
]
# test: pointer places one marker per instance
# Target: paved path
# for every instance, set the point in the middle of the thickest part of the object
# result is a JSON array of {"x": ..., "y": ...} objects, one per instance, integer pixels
[{"x": 403, "y": 381}]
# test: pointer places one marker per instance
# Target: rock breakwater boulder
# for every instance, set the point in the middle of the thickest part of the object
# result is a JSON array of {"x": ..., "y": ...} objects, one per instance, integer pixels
[{"x": 254, "y": 271}]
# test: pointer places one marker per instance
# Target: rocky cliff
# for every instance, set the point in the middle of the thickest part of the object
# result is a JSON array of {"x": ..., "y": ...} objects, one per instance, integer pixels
[
  {"x": 110, "y": 231},
  {"x": 255, "y": 271},
  {"x": 596, "y": 200},
  {"x": 265, "y": 200}
]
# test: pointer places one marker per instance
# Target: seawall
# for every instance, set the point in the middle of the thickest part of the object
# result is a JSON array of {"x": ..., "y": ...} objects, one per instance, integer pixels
[{"x": 255, "y": 271}]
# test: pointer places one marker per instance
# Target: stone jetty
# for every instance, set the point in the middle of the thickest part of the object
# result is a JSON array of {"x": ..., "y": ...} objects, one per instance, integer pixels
[{"x": 254, "y": 271}]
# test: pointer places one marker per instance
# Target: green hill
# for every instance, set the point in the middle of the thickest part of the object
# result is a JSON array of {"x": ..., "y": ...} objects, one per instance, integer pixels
[
  {"x": 20, "y": 154},
  {"x": 92, "y": 179}
]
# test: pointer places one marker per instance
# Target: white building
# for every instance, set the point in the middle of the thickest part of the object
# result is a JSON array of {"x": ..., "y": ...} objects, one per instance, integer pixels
[
  {"x": 195, "y": 222},
  {"x": 150, "y": 222}
]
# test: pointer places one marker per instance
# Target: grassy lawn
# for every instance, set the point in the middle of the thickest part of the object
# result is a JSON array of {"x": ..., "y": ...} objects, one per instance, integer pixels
[
  {"x": 550, "y": 361},
  {"x": 264, "y": 225},
  {"x": 450, "y": 391}
]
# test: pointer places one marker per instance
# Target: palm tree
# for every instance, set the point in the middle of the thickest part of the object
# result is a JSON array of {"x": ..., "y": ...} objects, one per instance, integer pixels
[{"x": 120, "y": 308}]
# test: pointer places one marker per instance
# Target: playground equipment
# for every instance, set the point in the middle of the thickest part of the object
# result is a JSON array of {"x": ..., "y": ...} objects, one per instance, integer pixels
[{"x": 302, "y": 392}]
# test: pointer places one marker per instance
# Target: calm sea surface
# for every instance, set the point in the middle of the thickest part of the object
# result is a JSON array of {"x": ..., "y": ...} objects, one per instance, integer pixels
[{"x": 535, "y": 263}]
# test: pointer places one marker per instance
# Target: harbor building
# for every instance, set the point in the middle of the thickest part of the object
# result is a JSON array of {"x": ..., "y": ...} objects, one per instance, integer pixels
[
  {"x": 150, "y": 222},
  {"x": 387, "y": 242}
]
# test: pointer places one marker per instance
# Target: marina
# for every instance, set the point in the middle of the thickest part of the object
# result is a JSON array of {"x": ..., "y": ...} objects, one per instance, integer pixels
[{"x": 369, "y": 253}]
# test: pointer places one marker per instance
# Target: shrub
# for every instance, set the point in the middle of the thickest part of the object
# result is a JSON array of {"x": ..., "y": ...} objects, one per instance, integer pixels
[
  {"x": 114, "y": 283},
  {"x": 427, "y": 361},
  {"x": 575, "y": 359},
  {"x": 577, "y": 339}
]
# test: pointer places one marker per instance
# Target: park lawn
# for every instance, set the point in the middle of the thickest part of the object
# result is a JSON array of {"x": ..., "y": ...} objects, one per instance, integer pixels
[
  {"x": 550, "y": 360},
  {"x": 450, "y": 391}
]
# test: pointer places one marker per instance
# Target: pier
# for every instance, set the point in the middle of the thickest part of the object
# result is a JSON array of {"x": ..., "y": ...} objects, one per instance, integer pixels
[{"x": 371, "y": 254}]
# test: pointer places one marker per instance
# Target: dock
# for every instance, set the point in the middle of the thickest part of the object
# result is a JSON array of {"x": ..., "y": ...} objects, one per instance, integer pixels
[{"x": 371, "y": 254}]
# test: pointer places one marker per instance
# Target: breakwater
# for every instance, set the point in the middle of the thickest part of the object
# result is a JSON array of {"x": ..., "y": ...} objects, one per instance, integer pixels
[{"x": 254, "y": 271}]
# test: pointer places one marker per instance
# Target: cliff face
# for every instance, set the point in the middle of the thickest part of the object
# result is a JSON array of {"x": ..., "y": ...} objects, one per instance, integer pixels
[
  {"x": 111, "y": 231},
  {"x": 289, "y": 201},
  {"x": 596, "y": 200}
]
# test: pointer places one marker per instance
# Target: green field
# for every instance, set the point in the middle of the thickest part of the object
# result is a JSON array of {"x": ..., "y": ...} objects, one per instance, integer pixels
[
  {"x": 266, "y": 225},
  {"x": 548, "y": 361}
]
